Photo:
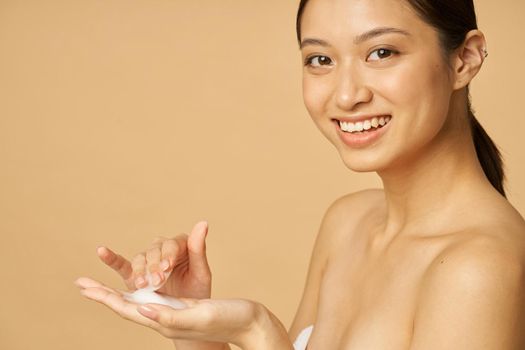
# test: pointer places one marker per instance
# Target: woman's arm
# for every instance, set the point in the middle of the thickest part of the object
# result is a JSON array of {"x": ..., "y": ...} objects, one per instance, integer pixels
[
  {"x": 194, "y": 345},
  {"x": 268, "y": 332},
  {"x": 244, "y": 323},
  {"x": 473, "y": 297},
  {"x": 199, "y": 345},
  {"x": 189, "y": 277}
]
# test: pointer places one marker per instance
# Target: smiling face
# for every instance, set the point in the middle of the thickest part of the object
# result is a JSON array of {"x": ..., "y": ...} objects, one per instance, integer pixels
[{"x": 374, "y": 58}]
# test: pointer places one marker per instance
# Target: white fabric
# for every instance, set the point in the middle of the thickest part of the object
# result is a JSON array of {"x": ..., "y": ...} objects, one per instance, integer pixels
[{"x": 302, "y": 339}]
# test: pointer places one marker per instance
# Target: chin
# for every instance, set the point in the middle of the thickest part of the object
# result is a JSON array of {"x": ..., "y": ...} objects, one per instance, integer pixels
[{"x": 362, "y": 162}]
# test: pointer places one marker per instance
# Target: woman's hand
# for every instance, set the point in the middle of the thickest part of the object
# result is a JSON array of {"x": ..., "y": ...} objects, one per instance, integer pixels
[
  {"x": 184, "y": 256},
  {"x": 241, "y": 322}
]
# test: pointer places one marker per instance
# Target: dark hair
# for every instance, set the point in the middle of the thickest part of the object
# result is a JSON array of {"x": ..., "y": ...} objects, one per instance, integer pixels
[{"x": 453, "y": 19}]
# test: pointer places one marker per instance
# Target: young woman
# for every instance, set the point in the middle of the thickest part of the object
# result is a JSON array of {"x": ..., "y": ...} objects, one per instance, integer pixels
[{"x": 435, "y": 260}]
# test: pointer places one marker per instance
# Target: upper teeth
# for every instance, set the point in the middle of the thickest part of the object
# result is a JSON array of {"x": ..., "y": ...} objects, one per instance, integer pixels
[{"x": 375, "y": 122}]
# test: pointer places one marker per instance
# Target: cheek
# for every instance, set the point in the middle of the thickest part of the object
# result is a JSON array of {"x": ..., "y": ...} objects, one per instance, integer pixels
[
  {"x": 419, "y": 94},
  {"x": 315, "y": 96}
]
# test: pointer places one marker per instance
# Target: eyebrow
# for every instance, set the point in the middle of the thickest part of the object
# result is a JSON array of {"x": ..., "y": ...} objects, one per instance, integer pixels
[{"x": 358, "y": 39}]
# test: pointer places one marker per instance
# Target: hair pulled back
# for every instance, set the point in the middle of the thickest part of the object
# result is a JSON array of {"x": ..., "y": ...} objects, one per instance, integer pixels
[{"x": 453, "y": 19}]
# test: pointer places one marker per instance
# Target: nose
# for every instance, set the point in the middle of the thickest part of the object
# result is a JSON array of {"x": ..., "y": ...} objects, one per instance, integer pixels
[{"x": 351, "y": 89}]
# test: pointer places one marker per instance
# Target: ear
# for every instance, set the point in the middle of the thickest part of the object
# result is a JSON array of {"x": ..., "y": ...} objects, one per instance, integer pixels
[{"x": 469, "y": 58}]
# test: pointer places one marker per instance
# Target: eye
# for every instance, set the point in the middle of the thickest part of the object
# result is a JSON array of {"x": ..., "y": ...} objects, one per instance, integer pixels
[
  {"x": 319, "y": 61},
  {"x": 380, "y": 54}
]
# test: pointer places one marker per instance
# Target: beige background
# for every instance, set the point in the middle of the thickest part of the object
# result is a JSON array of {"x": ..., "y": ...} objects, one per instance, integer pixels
[{"x": 124, "y": 120}]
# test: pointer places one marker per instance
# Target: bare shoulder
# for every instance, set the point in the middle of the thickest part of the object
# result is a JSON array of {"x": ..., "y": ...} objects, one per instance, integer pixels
[
  {"x": 352, "y": 200},
  {"x": 479, "y": 255},
  {"x": 473, "y": 294},
  {"x": 340, "y": 218},
  {"x": 345, "y": 212},
  {"x": 338, "y": 223},
  {"x": 493, "y": 238},
  {"x": 495, "y": 247}
]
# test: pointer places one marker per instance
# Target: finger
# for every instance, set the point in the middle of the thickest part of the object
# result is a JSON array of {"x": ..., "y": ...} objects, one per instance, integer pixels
[
  {"x": 119, "y": 305},
  {"x": 115, "y": 261},
  {"x": 86, "y": 282},
  {"x": 197, "y": 250},
  {"x": 167, "y": 317},
  {"x": 138, "y": 264},
  {"x": 172, "y": 250},
  {"x": 153, "y": 256}
]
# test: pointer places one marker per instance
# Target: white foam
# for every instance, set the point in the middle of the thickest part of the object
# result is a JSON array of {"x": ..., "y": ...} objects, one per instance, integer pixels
[
  {"x": 142, "y": 296},
  {"x": 147, "y": 295}
]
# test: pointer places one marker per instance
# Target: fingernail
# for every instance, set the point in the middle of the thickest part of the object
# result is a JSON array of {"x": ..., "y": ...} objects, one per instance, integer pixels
[
  {"x": 164, "y": 265},
  {"x": 77, "y": 282},
  {"x": 140, "y": 281},
  {"x": 202, "y": 225},
  {"x": 148, "y": 311},
  {"x": 156, "y": 279}
]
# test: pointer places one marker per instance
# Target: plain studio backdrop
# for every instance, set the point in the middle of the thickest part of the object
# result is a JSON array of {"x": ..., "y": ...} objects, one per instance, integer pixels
[{"x": 124, "y": 120}]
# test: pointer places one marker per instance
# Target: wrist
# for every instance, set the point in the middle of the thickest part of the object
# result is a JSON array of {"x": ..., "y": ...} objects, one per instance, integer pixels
[
  {"x": 181, "y": 344},
  {"x": 265, "y": 332}
]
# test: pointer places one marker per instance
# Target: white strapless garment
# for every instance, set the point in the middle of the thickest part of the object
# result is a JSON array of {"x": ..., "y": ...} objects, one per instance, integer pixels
[{"x": 302, "y": 339}]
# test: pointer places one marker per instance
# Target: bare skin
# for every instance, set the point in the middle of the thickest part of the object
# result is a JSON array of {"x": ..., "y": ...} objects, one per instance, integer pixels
[
  {"x": 433, "y": 261},
  {"x": 436, "y": 259},
  {"x": 204, "y": 324},
  {"x": 363, "y": 293}
]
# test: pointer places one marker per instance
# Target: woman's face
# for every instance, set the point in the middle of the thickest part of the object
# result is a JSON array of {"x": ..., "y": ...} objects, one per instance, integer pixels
[{"x": 374, "y": 62}]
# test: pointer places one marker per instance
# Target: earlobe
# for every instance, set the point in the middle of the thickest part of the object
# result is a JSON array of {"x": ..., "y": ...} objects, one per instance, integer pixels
[{"x": 469, "y": 58}]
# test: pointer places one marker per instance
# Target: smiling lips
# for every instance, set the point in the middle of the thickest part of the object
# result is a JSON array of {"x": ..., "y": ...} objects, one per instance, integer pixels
[
  {"x": 363, "y": 131},
  {"x": 367, "y": 124}
]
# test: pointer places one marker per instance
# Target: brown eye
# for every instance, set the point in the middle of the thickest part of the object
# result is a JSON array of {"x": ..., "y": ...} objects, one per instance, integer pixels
[
  {"x": 380, "y": 54},
  {"x": 317, "y": 61}
]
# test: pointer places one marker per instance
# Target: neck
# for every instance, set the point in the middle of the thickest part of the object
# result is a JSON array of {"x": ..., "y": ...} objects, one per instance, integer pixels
[{"x": 435, "y": 183}]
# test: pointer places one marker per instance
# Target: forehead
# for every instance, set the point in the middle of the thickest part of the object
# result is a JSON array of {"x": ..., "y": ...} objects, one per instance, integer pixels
[{"x": 334, "y": 19}]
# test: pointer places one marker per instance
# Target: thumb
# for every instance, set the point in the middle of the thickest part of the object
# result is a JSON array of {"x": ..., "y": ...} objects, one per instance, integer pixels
[
  {"x": 172, "y": 319},
  {"x": 197, "y": 249}
]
